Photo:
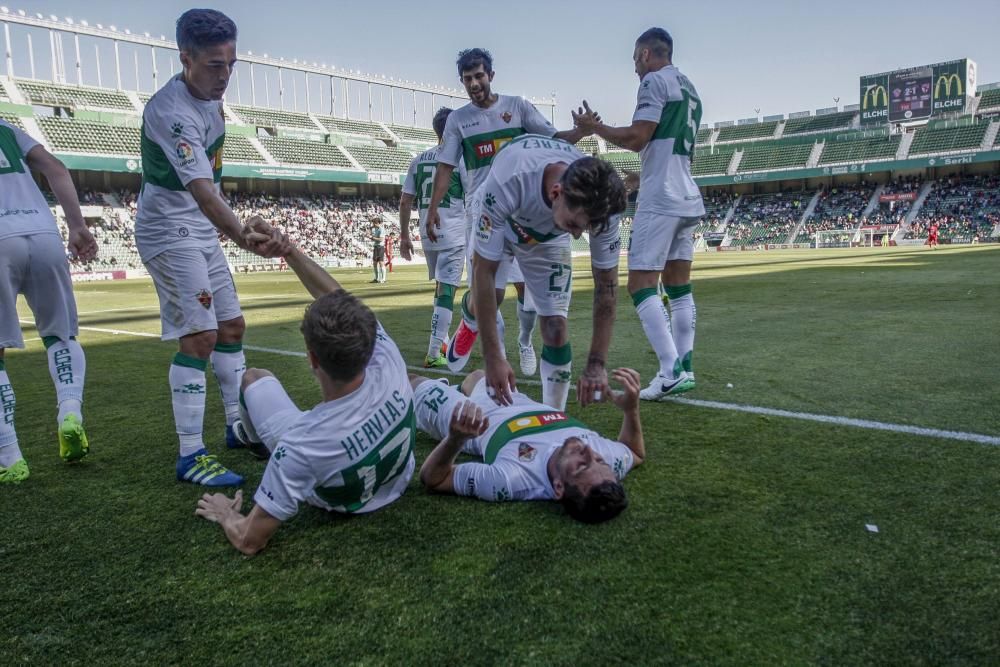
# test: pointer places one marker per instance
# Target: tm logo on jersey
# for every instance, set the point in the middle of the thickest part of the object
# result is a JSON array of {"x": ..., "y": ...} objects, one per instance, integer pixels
[{"x": 486, "y": 149}]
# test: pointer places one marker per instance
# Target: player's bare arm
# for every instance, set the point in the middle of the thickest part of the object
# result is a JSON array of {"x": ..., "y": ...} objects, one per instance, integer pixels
[
  {"x": 442, "y": 180},
  {"x": 405, "y": 209},
  {"x": 499, "y": 374},
  {"x": 595, "y": 375},
  {"x": 215, "y": 208},
  {"x": 81, "y": 242},
  {"x": 633, "y": 137},
  {"x": 467, "y": 421},
  {"x": 249, "y": 533},
  {"x": 627, "y": 401},
  {"x": 580, "y": 130}
]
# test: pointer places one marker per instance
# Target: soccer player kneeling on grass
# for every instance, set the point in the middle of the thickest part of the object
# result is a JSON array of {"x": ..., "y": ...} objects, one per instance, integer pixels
[
  {"x": 528, "y": 451},
  {"x": 353, "y": 452},
  {"x": 33, "y": 263}
]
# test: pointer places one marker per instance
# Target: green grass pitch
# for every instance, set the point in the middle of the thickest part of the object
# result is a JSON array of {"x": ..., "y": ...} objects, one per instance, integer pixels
[{"x": 745, "y": 541}]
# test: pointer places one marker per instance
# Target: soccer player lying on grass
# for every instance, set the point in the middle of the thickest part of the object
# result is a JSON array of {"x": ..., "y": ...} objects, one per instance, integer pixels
[
  {"x": 528, "y": 451},
  {"x": 353, "y": 452}
]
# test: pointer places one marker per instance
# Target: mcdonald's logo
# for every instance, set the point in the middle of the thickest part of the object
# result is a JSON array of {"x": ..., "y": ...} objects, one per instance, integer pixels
[
  {"x": 947, "y": 80},
  {"x": 872, "y": 94}
]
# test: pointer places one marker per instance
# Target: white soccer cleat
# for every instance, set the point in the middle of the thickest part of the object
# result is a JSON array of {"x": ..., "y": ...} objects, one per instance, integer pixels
[
  {"x": 662, "y": 387},
  {"x": 529, "y": 363}
]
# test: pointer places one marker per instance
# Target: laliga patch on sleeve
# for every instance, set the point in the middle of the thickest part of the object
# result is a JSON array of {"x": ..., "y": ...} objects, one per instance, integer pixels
[{"x": 184, "y": 152}]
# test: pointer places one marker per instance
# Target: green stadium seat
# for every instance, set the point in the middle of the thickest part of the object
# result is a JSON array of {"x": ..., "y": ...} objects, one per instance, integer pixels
[
  {"x": 4, "y": 95},
  {"x": 374, "y": 158},
  {"x": 273, "y": 117},
  {"x": 238, "y": 149},
  {"x": 82, "y": 136},
  {"x": 833, "y": 121},
  {"x": 703, "y": 135},
  {"x": 881, "y": 148},
  {"x": 588, "y": 146},
  {"x": 949, "y": 139},
  {"x": 44, "y": 93},
  {"x": 12, "y": 119},
  {"x": 704, "y": 164},
  {"x": 297, "y": 151},
  {"x": 838, "y": 208},
  {"x": 774, "y": 157},
  {"x": 351, "y": 126},
  {"x": 989, "y": 99},
  {"x": 420, "y": 134},
  {"x": 623, "y": 160},
  {"x": 763, "y": 219},
  {"x": 752, "y": 131}
]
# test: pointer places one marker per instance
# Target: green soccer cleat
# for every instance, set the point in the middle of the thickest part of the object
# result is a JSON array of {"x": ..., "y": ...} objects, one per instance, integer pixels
[
  {"x": 17, "y": 472},
  {"x": 73, "y": 444},
  {"x": 435, "y": 362}
]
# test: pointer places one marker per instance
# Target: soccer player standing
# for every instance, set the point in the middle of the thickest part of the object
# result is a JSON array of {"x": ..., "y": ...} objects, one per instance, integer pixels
[
  {"x": 180, "y": 214},
  {"x": 33, "y": 263},
  {"x": 476, "y": 132},
  {"x": 663, "y": 131},
  {"x": 445, "y": 252}
]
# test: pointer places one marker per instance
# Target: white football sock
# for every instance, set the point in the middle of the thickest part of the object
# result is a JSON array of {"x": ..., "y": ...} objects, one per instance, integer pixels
[
  {"x": 526, "y": 319},
  {"x": 187, "y": 388},
  {"x": 557, "y": 373},
  {"x": 683, "y": 316},
  {"x": 9, "y": 451},
  {"x": 68, "y": 368},
  {"x": 656, "y": 323},
  {"x": 229, "y": 364}
]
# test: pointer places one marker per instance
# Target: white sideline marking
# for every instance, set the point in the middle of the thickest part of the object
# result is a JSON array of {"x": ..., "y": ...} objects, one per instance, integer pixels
[{"x": 715, "y": 405}]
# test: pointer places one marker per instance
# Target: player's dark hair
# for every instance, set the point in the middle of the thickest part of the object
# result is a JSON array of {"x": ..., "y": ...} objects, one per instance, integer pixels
[
  {"x": 472, "y": 58},
  {"x": 199, "y": 28},
  {"x": 604, "y": 502},
  {"x": 595, "y": 185},
  {"x": 440, "y": 118},
  {"x": 340, "y": 330},
  {"x": 658, "y": 41}
]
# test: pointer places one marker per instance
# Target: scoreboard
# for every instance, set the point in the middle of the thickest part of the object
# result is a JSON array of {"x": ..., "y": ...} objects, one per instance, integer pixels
[{"x": 917, "y": 93}]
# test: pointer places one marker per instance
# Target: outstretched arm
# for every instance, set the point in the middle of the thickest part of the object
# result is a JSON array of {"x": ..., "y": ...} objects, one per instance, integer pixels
[
  {"x": 467, "y": 421},
  {"x": 634, "y": 137},
  {"x": 627, "y": 401},
  {"x": 250, "y": 533},
  {"x": 312, "y": 276}
]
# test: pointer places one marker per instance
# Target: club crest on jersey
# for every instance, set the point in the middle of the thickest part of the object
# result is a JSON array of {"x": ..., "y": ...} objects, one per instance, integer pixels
[
  {"x": 205, "y": 299},
  {"x": 525, "y": 452},
  {"x": 506, "y": 115}
]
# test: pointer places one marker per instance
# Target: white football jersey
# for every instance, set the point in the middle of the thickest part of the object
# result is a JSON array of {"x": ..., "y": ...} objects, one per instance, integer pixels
[
  {"x": 666, "y": 97},
  {"x": 514, "y": 209},
  {"x": 516, "y": 453},
  {"x": 351, "y": 455},
  {"x": 478, "y": 134},
  {"x": 420, "y": 183},
  {"x": 23, "y": 209},
  {"x": 182, "y": 138}
]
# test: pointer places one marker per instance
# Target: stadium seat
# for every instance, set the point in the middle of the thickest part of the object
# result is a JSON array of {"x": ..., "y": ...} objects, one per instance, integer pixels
[
  {"x": 989, "y": 99},
  {"x": 297, "y": 151},
  {"x": 963, "y": 208},
  {"x": 238, "y": 149},
  {"x": 420, "y": 134},
  {"x": 949, "y": 139},
  {"x": 374, "y": 158},
  {"x": 752, "y": 131},
  {"x": 59, "y": 95},
  {"x": 351, "y": 126},
  {"x": 881, "y": 148},
  {"x": 763, "y": 219},
  {"x": 83, "y": 136},
  {"x": 774, "y": 157},
  {"x": 274, "y": 118},
  {"x": 833, "y": 121},
  {"x": 838, "y": 208},
  {"x": 12, "y": 119},
  {"x": 588, "y": 146},
  {"x": 705, "y": 163}
]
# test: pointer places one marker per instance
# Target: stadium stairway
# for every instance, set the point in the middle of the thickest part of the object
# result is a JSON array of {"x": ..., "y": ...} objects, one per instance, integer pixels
[
  {"x": 734, "y": 164},
  {"x": 805, "y": 216},
  {"x": 259, "y": 145},
  {"x": 13, "y": 94},
  {"x": 347, "y": 154},
  {"x": 780, "y": 130},
  {"x": 729, "y": 214},
  {"x": 231, "y": 116},
  {"x": 817, "y": 151},
  {"x": 904, "y": 145},
  {"x": 991, "y": 136},
  {"x": 133, "y": 97},
  {"x": 873, "y": 202},
  {"x": 925, "y": 190}
]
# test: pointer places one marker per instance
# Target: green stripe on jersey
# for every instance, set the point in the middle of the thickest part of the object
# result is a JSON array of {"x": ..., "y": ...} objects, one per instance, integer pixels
[
  {"x": 679, "y": 121},
  {"x": 156, "y": 168},
  {"x": 423, "y": 183},
  {"x": 525, "y": 424},
  {"x": 11, "y": 152},
  {"x": 528, "y": 235},
  {"x": 380, "y": 466},
  {"x": 480, "y": 149}
]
